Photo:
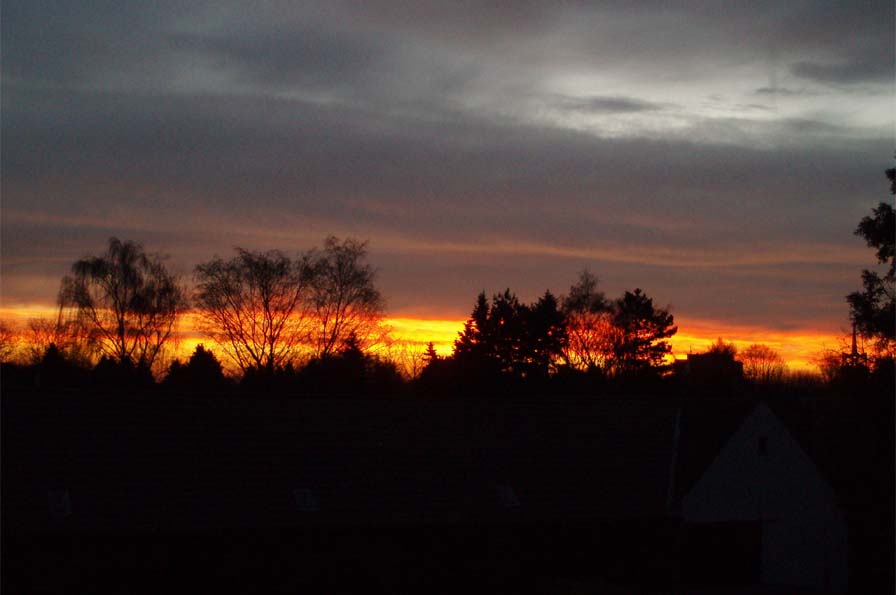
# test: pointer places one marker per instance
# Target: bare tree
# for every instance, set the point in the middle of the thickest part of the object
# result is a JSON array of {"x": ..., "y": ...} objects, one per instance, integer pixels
[
  {"x": 41, "y": 333},
  {"x": 125, "y": 300},
  {"x": 255, "y": 307},
  {"x": 407, "y": 357},
  {"x": 8, "y": 341},
  {"x": 762, "y": 363},
  {"x": 343, "y": 298},
  {"x": 721, "y": 348},
  {"x": 589, "y": 325},
  {"x": 44, "y": 332}
]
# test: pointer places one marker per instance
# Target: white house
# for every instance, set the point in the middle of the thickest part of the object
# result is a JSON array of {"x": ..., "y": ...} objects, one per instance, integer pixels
[{"x": 763, "y": 478}]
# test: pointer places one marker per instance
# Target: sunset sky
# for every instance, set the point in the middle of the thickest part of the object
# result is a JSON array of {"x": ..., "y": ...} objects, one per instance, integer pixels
[{"x": 717, "y": 155}]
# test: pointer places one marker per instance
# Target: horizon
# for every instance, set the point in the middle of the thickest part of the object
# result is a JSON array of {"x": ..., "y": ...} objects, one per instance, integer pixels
[{"x": 801, "y": 349}]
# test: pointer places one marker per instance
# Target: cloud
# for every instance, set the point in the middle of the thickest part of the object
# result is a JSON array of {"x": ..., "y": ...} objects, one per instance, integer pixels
[
  {"x": 477, "y": 145},
  {"x": 604, "y": 105},
  {"x": 282, "y": 57},
  {"x": 846, "y": 73},
  {"x": 785, "y": 92}
]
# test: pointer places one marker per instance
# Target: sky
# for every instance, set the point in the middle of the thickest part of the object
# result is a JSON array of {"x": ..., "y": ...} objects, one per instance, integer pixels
[{"x": 716, "y": 155}]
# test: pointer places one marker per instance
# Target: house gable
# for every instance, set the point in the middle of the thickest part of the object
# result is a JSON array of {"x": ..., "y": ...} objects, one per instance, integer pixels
[{"x": 760, "y": 473}]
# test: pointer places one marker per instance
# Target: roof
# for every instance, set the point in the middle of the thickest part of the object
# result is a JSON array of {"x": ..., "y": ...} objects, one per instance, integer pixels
[
  {"x": 705, "y": 427},
  {"x": 761, "y": 473},
  {"x": 823, "y": 428},
  {"x": 151, "y": 463}
]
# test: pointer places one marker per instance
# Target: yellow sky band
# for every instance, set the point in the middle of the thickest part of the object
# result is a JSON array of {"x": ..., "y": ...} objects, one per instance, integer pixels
[{"x": 799, "y": 348}]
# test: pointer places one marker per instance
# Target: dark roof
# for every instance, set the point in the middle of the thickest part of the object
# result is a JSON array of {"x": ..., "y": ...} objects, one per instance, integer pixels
[{"x": 161, "y": 464}]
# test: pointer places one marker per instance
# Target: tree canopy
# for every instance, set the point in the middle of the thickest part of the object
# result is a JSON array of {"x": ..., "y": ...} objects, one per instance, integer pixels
[
  {"x": 266, "y": 309},
  {"x": 589, "y": 325},
  {"x": 505, "y": 337},
  {"x": 512, "y": 339},
  {"x": 762, "y": 363},
  {"x": 202, "y": 372},
  {"x": 125, "y": 301},
  {"x": 873, "y": 309},
  {"x": 342, "y": 296},
  {"x": 642, "y": 332},
  {"x": 255, "y": 306}
]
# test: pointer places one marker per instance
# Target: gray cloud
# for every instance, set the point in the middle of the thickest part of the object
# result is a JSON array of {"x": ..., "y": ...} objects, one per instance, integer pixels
[
  {"x": 82, "y": 43},
  {"x": 785, "y": 92},
  {"x": 288, "y": 56},
  {"x": 421, "y": 129},
  {"x": 846, "y": 73},
  {"x": 604, "y": 105}
]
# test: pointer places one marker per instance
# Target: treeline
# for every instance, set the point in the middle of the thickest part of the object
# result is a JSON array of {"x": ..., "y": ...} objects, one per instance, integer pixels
[
  {"x": 316, "y": 321},
  {"x": 573, "y": 342},
  {"x": 315, "y": 324}
]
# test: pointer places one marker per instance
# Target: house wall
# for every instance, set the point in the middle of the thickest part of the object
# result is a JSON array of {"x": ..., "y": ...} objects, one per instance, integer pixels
[{"x": 763, "y": 475}]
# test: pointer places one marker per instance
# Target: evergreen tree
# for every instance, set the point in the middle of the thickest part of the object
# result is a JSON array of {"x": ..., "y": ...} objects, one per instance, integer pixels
[
  {"x": 873, "y": 310},
  {"x": 202, "y": 372},
  {"x": 642, "y": 330},
  {"x": 511, "y": 339},
  {"x": 546, "y": 335},
  {"x": 430, "y": 355}
]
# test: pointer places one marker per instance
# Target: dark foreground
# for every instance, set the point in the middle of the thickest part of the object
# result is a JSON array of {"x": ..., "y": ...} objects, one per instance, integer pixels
[{"x": 135, "y": 494}]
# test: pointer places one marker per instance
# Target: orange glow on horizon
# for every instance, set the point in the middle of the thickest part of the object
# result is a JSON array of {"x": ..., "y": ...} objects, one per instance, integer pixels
[{"x": 799, "y": 348}]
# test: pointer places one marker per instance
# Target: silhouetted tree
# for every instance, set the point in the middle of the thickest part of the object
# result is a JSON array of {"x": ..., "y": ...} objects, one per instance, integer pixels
[
  {"x": 545, "y": 336},
  {"x": 715, "y": 369},
  {"x": 873, "y": 310},
  {"x": 125, "y": 300},
  {"x": 839, "y": 369},
  {"x": 504, "y": 333},
  {"x": 589, "y": 325},
  {"x": 343, "y": 298},
  {"x": 202, "y": 372},
  {"x": 479, "y": 346},
  {"x": 255, "y": 306},
  {"x": 642, "y": 329},
  {"x": 41, "y": 333},
  {"x": 430, "y": 354},
  {"x": 114, "y": 374},
  {"x": 762, "y": 363},
  {"x": 61, "y": 334},
  {"x": 471, "y": 346},
  {"x": 351, "y": 371},
  {"x": 439, "y": 374},
  {"x": 511, "y": 339},
  {"x": 279, "y": 381},
  {"x": 721, "y": 348},
  {"x": 8, "y": 341},
  {"x": 56, "y": 370},
  {"x": 407, "y": 357}
]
